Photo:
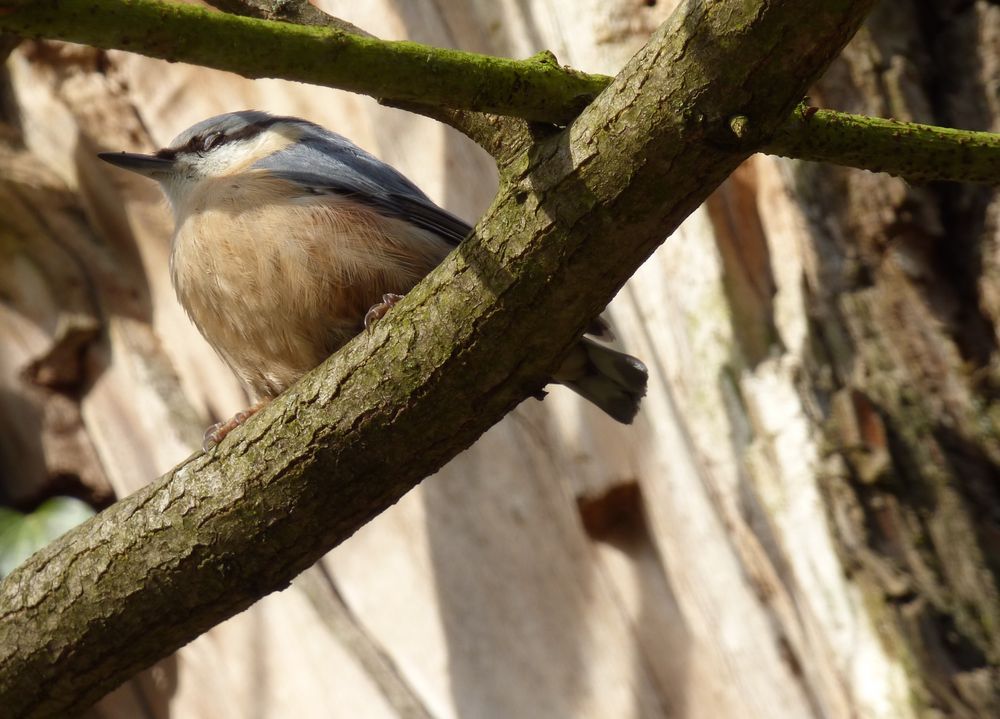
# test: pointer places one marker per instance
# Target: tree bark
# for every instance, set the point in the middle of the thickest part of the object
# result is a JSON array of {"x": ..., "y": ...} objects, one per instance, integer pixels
[
  {"x": 899, "y": 296},
  {"x": 721, "y": 557}
]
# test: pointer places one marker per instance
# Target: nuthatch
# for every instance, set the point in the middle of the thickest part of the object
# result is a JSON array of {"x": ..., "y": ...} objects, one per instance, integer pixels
[{"x": 289, "y": 238}]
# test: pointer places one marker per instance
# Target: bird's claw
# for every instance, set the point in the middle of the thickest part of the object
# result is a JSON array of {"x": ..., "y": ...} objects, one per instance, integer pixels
[
  {"x": 377, "y": 312},
  {"x": 218, "y": 431}
]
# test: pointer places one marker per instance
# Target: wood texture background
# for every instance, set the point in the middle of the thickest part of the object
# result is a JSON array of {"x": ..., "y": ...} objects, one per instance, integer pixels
[{"x": 696, "y": 564}]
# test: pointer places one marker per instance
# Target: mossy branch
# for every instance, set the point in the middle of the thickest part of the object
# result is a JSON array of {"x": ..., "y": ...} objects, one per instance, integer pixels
[
  {"x": 916, "y": 152},
  {"x": 575, "y": 216},
  {"x": 535, "y": 89},
  {"x": 301, "y": 12},
  {"x": 334, "y": 53},
  {"x": 503, "y": 136}
]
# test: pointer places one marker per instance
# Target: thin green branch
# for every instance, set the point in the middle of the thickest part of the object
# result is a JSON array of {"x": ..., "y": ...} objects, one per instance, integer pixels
[
  {"x": 535, "y": 89},
  {"x": 916, "y": 152},
  {"x": 295, "y": 11},
  {"x": 501, "y": 136},
  {"x": 417, "y": 76}
]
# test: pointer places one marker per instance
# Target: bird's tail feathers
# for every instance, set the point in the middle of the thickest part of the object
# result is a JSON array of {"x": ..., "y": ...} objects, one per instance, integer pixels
[{"x": 612, "y": 380}]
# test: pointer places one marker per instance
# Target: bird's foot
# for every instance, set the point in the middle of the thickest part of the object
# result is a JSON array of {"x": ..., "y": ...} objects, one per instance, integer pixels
[
  {"x": 377, "y": 312},
  {"x": 218, "y": 431}
]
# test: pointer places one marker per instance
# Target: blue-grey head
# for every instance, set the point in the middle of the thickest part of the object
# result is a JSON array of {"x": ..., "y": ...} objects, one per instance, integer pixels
[
  {"x": 317, "y": 163},
  {"x": 219, "y": 146}
]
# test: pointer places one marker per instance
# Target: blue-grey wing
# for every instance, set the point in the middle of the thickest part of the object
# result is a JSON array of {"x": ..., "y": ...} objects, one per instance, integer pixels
[{"x": 325, "y": 162}]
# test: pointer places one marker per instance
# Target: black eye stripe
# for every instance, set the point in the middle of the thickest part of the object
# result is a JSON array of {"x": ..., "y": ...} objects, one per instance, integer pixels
[{"x": 215, "y": 138}]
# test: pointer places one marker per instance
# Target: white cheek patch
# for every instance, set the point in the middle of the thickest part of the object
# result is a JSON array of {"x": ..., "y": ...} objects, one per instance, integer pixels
[
  {"x": 225, "y": 158},
  {"x": 235, "y": 156}
]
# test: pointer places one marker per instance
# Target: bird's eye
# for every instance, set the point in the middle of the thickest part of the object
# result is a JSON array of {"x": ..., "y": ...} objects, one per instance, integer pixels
[{"x": 211, "y": 140}]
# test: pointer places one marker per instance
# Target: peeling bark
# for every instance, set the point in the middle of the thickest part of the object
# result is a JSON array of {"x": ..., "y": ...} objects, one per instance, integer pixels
[{"x": 899, "y": 292}]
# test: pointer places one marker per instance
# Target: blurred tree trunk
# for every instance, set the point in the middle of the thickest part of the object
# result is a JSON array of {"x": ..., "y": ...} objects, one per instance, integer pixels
[
  {"x": 804, "y": 522},
  {"x": 900, "y": 357}
]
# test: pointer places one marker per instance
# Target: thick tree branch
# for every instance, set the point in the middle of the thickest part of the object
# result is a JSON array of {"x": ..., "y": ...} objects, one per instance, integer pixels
[
  {"x": 335, "y": 53},
  {"x": 575, "y": 216}
]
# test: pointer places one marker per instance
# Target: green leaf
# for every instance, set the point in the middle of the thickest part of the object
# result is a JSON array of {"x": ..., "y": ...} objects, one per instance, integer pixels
[{"x": 21, "y": 535}]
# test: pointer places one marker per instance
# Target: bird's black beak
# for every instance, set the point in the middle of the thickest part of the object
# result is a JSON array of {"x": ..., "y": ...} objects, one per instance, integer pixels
[{"x": 147, "y": 165}]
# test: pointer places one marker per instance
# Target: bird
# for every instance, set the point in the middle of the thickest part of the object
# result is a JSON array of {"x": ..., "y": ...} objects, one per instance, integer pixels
[{"x": 289, "y": 240}]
